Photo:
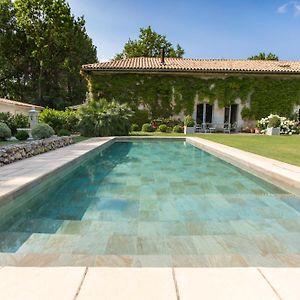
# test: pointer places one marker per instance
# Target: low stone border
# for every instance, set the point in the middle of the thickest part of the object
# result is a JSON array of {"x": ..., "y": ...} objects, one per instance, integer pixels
[
  {"x": 14, "y": 152},
  {"x": 281, "y": 174}
]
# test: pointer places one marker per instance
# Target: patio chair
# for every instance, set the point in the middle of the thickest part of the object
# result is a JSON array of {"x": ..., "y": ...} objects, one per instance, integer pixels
[
  {"x": 226, "y": 128},
  {"x": 211, "y": 128},
  {"x": 198, "y": 128}
]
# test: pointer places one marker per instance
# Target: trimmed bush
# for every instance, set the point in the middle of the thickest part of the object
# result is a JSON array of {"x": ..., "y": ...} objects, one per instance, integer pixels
[
  {"x": 163, "y": 128},
  {"x": 5, "y": 131},
  {"x": 42, "y": 131},
  {"x": 135, "y": 127},
  {"x": 274, "y": 122},
  {"x": 64, "y": 132},
  {"x": 189, "y": 121},
  {"x": 14, "y": 121},
  {"x": 22, "y": 135},
  {"x": 59, "y": 119},
  {"x": 178, "y": 129},
  {"x": 147, "y": 127}
]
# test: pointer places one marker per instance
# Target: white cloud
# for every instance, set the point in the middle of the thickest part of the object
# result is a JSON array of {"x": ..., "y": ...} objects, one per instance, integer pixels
[
  {"x": 282, "y": 9},
  {"x": 292, "y": 5}
]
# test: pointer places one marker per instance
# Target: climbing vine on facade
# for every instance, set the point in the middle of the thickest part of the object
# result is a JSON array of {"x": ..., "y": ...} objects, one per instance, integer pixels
[{"x": 165, "y": 95}]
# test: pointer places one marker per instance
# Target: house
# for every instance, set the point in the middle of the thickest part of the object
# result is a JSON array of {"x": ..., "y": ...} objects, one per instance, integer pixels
[
  {"x": 215, "y": 90},
  {"x": 16, "y": 107}
]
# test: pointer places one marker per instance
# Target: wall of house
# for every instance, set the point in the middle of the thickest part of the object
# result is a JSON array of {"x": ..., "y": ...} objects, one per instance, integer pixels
[
  {"x": 14, "y": 109},
  {"x": 218, "y": 112}
]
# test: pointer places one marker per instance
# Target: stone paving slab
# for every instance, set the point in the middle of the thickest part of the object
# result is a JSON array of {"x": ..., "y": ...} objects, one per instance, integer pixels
[
  {"x": 221, "y": 284},
  {"x": 40, "y": 283},
  {"x": 286, "y": 281},
  {"x": 80, "y": 283},
  {"x": 128, "y": 283}
]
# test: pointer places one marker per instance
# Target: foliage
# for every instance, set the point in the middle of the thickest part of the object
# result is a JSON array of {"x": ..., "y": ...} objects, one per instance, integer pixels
[
  {"x": 14, "y": 121},
  {"x": 42, "y": 48},
  {"x": 189, "y": 121},
  {"x": 149, "y": 44},
  {"x": 147, "y": 127},
  {"x": 42, "y": 131},
  {"x": 165, "y": 95},
  {"x": 63, "y": 132},
  {"x": 178, "y": 129},
  {"x": 163, "y": 128},
  {"x": 5, "y": 132},
  {"x": 139, "y": 116},
  {"x": 246, "y": 114},
  {"x": 286, "y": 126},
  {"x": 135, "y": 127},
  {"x": 274, "y": 122},
  {"x": 22, "y": 135},
  {"x": 58, "y": 120},
  {"x": 103, "y": 118},
  {"x": 264, "y": 56}
]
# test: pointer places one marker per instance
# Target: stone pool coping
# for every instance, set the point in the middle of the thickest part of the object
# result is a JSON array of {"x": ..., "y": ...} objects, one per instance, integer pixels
[
  {"x": 282, "y": 174},
  {"x": 19, "y": 176},
  {"x": 82, "y": 283}
]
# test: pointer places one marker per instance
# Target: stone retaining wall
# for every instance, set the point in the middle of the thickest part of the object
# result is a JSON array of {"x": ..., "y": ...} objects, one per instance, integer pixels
[{"x": 14, "y": 152}]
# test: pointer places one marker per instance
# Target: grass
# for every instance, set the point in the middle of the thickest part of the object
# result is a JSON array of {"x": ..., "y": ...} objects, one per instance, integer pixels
[{"x": 283, "y": 148}]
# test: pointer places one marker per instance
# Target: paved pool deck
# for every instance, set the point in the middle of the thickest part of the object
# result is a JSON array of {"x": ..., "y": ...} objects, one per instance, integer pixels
[{"x": 83, "y": 283}]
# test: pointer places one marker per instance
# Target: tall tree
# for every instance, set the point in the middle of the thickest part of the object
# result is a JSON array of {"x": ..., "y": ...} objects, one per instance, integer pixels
[
  {"x": 56, "y": 45},
  {"x": 13, "y": 53},
  {"x": 149, "y": 44},
  {"x": 264, "y": 56}
]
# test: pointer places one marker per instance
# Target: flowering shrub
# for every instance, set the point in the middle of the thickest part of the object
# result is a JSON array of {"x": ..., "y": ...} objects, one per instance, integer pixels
[{"x": 286, "y": 126}]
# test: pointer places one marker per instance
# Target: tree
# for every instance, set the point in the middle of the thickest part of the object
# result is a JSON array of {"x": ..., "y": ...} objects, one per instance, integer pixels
[
  {"x": 49, "y": 45},
  {"x": 13, "y": 53},
  {"x": 264, "y": 56},
  {"x": 149, "y": 45}
]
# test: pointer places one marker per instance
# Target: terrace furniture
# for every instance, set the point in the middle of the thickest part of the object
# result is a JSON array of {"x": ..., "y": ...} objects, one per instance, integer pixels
[
  {"x": 211, "y": 127},
  {"x": 228, "y": 128},
  {"x": 198, "y": 128}
]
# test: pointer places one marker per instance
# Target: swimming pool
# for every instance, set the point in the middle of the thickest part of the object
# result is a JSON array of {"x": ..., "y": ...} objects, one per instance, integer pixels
[{"x": 165, "y": 199}]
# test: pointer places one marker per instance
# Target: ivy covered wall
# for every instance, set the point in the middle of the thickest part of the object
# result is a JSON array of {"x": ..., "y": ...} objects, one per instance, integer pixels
[{"x": 165, "y": 95}]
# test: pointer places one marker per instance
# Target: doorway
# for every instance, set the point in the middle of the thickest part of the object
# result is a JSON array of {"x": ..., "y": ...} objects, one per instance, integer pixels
[
  {"x": 204, "y": 113},
  {"x": 230, "y": 114}
]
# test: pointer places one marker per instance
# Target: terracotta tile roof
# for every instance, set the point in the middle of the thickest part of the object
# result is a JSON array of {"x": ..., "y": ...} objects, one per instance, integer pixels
[
  {"x": 153, "y": 64},
  {"x": 11, "y": 102}
]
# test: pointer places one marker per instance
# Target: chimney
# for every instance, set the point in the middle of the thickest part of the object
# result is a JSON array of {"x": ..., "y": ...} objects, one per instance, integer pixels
[{"x": 162, "y": 56}]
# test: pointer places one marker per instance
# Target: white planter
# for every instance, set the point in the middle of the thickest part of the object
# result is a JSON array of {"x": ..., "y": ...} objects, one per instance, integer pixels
[
  {"x": 273, "y": 131},
  {"x": 189, "y": 130}
]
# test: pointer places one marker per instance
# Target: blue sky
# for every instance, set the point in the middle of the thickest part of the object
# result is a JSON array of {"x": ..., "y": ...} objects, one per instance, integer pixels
[{"x": 205, "y": 29}]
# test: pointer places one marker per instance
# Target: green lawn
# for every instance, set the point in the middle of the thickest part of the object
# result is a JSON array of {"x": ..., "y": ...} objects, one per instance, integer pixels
[{"x": 283, "y": 148}]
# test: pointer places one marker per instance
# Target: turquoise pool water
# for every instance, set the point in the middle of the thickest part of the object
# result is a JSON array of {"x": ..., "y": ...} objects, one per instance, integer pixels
[{"x": 164, "y": 198}]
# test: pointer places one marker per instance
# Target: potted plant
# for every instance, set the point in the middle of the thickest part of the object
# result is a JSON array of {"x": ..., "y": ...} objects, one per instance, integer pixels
[
  {"x": 189, "y": 125},
  {"x": 274, "y": 126}
]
